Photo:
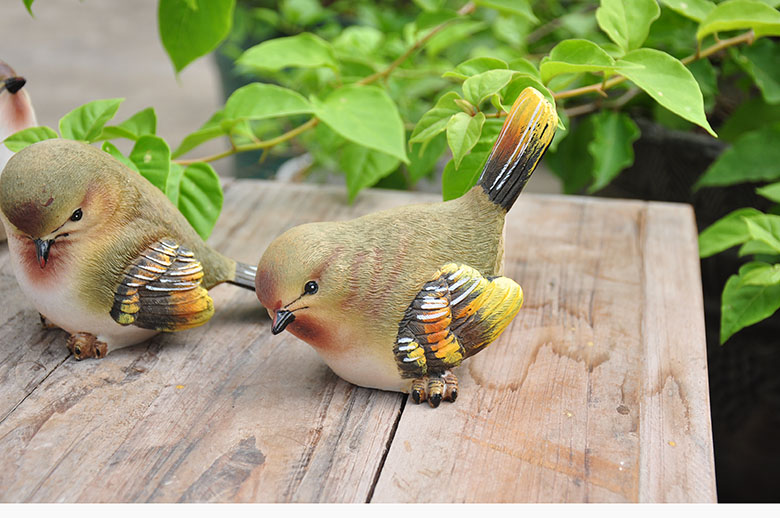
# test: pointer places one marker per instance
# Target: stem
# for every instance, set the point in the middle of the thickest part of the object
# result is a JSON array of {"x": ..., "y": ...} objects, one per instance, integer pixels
[
  {"x": 468, "y": 8},
  {"x": 260, "y": 144}
]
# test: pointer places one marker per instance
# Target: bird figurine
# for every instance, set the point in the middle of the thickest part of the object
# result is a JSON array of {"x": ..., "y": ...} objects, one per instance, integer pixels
[
  {"x": 101, "y": 252},
  {"x": 396, "y": 299},
  {"x": 16, "y": 113}
]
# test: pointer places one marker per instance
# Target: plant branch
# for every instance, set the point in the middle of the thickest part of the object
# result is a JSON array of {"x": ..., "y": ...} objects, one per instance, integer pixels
[
  {"x": 601, "y": 87},
  {"x": 260, "y": 144},
  {"x": 467, "y": 9}
]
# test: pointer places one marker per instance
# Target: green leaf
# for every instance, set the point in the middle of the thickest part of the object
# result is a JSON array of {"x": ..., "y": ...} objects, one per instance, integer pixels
[
  {"x": 517, "y": 7},
  {"x": 430, "y": 19},
  {"x": 212, "y": 129},
  {"x": 200, "y": 197},
  {"x": 576, "y": 57},
  {"x": 28, "y": 5},
  {"x": 525, "y": 67},
  {"x": 142, "y": 123},
  {"x": 763, "y": 275},
  {"x": 707, "y": 77},
  {"x": 22, "y": 139},
  {"x": 86, "y": 122},
  {"x": 367, "y": 116},
  {"x": 667, "y": 81},
  {"x": 358, "y": 39},
  {"x": 612, "y": 149},
  {"x": 730, "y": 230},
  {"x": 188, "y": 33},
  {"x": 305, "y": 50},
  {"x": 770, "y": 192},
  {"x": 429, "y": 5},
  {"x": 571, "y": 161},
  {"x": 112, "y": 150},
  {"x": 435, "y": 120},
  {"x": 754, "y": 157},
  {"x": 627, "y": 23},
  {"x": 751, "y": 115},
  {"x": 364, "y": 167},
  {"x": 453, "y": 34},
  {"x": 423, "y": 157},
  {"x": 519, "y": 83},
  {"x": 745, "y": 304},
  {"x": 756, "y": 248},
  {"x": 481, "y": 86},
  {"x": 302, "y": 12},
  {"x": 463, "y": 131},
  {"x": 765, "y": 228},
  {"x": 262, "y": 101},
  {"x": 762, "y": 62},
  {"x": 455, "y": 182},
  {"x": 741, "y": 14},
  {"x": 695, "y": 10},
  {"x": 153, "y": 160},
  {"x": 474, "y": 66}
]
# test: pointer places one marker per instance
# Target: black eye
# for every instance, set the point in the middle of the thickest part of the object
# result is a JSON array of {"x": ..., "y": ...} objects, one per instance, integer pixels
[
  {"x": 310, "y": 288},
  {"x": 76, "y": 215}
]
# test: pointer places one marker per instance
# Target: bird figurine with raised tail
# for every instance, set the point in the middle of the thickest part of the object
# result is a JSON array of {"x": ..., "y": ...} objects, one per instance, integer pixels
[
  {"x": 396, "y": 299},
  {"x": 101, "y": 252},
  {"x": 16, "y": 113}
]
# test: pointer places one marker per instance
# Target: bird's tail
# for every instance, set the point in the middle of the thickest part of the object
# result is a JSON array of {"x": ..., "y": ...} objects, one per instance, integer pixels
[
  {"x": 245, "y": 276},
  {"x": 527, "y": 131}
]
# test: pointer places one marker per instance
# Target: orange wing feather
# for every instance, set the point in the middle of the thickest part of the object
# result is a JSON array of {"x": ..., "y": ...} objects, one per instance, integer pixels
[
  {"x": 162, "y": 290},
  {"x": 454, "y": 316}
]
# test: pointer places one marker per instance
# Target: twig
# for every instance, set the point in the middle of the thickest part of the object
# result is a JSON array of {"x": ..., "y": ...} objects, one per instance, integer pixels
[
  {"x": 260, "y": 144},
  {"x": 746, "y": 37}
]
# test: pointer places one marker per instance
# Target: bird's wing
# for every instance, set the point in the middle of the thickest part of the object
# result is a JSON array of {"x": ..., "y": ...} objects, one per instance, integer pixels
[
  {"x": 161, "y": 290},
  {"x": 454, "y": 316}
]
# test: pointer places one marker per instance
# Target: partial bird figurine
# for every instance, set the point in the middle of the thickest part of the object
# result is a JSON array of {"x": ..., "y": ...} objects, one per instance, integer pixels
[
  {"x": 16, "y": 113},
  {"x": 396, "y": 299},
  {"x": 101, "y": 252}
]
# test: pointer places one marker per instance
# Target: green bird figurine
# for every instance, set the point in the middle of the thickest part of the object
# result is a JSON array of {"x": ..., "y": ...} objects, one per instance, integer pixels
[
  {"x": 396, "y": 299},
  {"x": 16, "y": 112},
  {"x": 101, "y": 252}
]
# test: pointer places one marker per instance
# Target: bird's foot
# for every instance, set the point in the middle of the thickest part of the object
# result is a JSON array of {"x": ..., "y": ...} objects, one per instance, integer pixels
[
  {"x": 86, "y": 345},
  {"x": 46, "y": 324},
  {"x": 435, "y": 389}
]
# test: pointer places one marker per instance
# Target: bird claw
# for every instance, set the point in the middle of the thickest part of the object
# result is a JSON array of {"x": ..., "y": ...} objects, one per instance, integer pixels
[
  {"x": 86, "y": 345},
  {"x": 435, "y": 389}
]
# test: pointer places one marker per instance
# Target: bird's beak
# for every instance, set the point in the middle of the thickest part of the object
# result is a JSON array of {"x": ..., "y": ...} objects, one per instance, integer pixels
[
  {"x": 282, "y": 318},
  {"x": 13, "y": 84},
  {"x": 42, "y": 250}
]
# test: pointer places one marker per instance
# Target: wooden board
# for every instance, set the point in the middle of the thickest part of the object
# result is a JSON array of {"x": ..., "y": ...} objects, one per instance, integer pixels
[{"x": 596, "y": 392}]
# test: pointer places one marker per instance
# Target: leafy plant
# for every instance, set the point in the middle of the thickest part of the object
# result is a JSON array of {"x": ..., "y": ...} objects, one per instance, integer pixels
[{"x": 384, "y": 91}]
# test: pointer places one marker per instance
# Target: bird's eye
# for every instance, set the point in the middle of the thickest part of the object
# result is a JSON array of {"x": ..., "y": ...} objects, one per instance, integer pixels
[
  {"x": 310, "y": 288},
  {"x": 77, "y": 214}
]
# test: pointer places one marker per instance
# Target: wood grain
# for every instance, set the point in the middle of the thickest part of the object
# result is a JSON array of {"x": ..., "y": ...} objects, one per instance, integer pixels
[{"x": 596, "y": 392}]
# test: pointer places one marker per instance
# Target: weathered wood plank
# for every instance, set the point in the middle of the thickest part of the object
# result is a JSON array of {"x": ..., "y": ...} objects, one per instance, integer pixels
[
  {"x": 677, "y": 454},
  {"x": 557, "y": 409},
  {"x": 224, "y": 412},
  {"x": 596, "y": 392}
]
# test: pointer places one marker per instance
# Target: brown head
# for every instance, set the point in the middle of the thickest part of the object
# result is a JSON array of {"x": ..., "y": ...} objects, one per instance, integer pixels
[
  {"x": 300, "y": 281},
  {"x": 59, "y": 191}
]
